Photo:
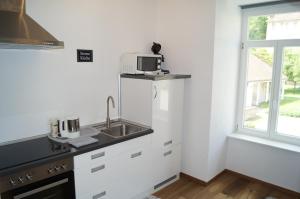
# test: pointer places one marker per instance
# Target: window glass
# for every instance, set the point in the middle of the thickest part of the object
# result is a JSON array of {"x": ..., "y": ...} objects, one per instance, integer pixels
[
  {"x": 289, "y": 107},
  {"x": 274, "y": 27},
  {"x": 258, "y": 88}
]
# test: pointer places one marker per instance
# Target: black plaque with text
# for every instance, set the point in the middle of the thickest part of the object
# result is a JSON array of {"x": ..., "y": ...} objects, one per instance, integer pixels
[{"x": 84, "y": 55}]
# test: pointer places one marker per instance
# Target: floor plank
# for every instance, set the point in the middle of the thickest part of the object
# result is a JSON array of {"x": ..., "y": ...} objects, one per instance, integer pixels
[{"x": 227, "y": 186}]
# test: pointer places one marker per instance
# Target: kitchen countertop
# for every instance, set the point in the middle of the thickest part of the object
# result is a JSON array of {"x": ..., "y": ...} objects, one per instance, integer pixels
[
  {"x": 156, "y": 77},
  {"x": 38, "y": 151}
]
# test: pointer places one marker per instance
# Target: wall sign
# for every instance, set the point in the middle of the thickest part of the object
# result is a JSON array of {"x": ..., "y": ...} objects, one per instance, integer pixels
[{"x": 84, "y": 55}]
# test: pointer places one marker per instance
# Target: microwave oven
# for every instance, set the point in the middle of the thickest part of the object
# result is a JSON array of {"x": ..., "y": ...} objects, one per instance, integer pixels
[{"x": 134, "y": 63}]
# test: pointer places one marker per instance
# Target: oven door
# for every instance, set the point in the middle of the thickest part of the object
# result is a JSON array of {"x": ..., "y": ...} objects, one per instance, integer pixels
[{"x": 57, "y": 187}]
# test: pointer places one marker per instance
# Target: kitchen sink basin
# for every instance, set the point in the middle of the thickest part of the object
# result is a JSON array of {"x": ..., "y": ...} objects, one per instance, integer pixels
[{"x": 120, "y": 129}]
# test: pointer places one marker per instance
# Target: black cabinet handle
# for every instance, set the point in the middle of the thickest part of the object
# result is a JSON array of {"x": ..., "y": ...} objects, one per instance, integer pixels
[
  {"x": 96, "y": 169},
  {"x": 98, "y": 155},
  {"x": 168, "y": 153},
  {"x": 136, "y": 154},
  {"x": 168, "y": 143},
  {"x": 100, "y": 195}
]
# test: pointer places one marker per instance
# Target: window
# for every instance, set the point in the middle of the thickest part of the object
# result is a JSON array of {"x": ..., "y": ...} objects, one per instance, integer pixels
[{"x": 269, "y": 100}]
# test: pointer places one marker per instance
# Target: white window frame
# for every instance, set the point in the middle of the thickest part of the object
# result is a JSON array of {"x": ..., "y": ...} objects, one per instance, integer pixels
[{"x": 278, "y": 46}]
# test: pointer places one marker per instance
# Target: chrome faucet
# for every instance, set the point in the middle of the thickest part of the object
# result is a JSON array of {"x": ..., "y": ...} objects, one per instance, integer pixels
[{"x": 107, "y": 106}]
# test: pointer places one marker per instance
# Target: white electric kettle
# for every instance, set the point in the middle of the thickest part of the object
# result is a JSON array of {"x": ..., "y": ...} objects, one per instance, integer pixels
[{"x": 69, "y": 127}]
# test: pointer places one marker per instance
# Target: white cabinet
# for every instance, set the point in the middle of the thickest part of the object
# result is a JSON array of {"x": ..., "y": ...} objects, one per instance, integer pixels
[
  {"x": 134, "y": 177},
  {"x": 129, "y": 169},
  {"x": 167, "y": 111},
  {"x": 119, "y": 171},
  {"x": 158, "y": 104},
  {"x": 165, "y": 97},
  {"x": 168, "y": 164}
]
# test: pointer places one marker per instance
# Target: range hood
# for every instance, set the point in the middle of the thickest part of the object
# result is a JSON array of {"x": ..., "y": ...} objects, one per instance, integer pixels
[{"x": 20, "y": 31}]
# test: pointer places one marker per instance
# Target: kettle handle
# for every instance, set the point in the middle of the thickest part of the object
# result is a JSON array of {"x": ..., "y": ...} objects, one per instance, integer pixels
[{"x": 62, "y": 127}]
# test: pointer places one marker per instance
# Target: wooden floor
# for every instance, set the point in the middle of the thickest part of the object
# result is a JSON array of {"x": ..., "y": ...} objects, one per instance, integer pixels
[{"x": 227, "y": 186}]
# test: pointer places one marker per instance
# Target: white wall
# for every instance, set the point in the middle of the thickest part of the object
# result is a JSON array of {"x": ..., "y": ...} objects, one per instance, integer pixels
[
  {"x": 186, "y": 32},
  {"x": 37, "y": 85},
  {"x": 276, "y": 166},
  {"x": 202, "y": 38},
  {"x": 225, "y": 76}
]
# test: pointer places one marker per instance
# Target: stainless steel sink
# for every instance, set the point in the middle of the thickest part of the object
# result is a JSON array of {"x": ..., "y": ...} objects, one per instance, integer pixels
[{"x": 120, "y": 129}]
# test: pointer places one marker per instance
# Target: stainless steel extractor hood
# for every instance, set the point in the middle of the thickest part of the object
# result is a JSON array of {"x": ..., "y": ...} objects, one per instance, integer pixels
[{"x": 20, "y": 31}]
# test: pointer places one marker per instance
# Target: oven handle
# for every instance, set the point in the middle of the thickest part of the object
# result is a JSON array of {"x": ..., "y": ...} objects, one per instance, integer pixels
[{"x": 40, "y": 189}]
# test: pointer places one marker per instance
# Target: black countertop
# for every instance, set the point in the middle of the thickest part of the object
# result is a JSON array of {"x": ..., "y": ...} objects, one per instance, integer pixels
[
  {"x": 38, "y": 151},
  {"x": 14, "y": 155},
  {"x": 156, "y": 77}
]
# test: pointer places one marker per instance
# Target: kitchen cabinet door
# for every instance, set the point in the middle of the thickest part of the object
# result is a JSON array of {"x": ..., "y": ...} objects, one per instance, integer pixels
[
  {"x": 167, "y": 163},
  {"x": 136, "y": 176},
  {"x": 167, "y": 111}
]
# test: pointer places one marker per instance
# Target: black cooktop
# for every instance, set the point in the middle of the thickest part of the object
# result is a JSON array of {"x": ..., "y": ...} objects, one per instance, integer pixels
[
  {"x": 13, "y": 155},
  {"x": 27, "y": 154}
]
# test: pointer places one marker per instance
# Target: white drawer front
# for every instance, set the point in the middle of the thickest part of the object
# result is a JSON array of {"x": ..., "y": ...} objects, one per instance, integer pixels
[
  {"x": 102, "y": 192},
  {"x": 87, "y": 179},
  {"x": 94, "y": 158}
]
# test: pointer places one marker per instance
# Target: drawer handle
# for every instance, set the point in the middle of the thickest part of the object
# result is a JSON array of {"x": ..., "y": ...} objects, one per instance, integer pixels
[
  {"x": 136, "y": 154},
  {"x": 96, "y": 169},
  {"x": 98, "y": 155},
  {"x": 155, "y": 90},
  {"x": 167, "y": 153},
  {"x": 168, "y": 143},
  {"x": 100, "y": 195}
]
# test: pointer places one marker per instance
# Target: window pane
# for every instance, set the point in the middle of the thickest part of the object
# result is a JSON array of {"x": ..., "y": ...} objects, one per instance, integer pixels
[
  {"x": 289, "y": 109},
  {"x": 274, "y": 27},
  {"x": 259, "y": 80}
]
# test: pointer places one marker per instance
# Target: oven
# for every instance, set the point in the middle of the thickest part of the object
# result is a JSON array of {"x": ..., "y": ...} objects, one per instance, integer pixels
[{"x": 50, "y": 181}]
